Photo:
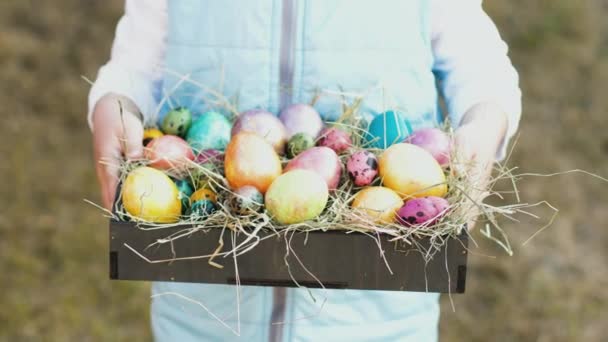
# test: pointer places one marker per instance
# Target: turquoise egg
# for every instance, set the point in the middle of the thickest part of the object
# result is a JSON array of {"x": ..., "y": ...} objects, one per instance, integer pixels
[
  {"x": 388, "y": 128},
  {"x": 177, "y": 122},
  {"x": 185, "y": 191},
  {"x": 210, "y": 131},
  {"x": 201, "y": 209}
]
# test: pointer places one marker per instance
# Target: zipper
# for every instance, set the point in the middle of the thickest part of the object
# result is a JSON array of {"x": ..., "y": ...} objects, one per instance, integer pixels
[
  {"x": 287, "y": 45},
  {"x": 287, "y": 51}
]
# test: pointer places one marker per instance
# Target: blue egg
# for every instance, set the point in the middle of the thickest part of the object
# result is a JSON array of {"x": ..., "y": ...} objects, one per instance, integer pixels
[
  {"x": 201, "y": 209},
  {"x": 185, "y": 191},
  {"x": 210, "y": 131},
  {"x": 388, "y": 128}
]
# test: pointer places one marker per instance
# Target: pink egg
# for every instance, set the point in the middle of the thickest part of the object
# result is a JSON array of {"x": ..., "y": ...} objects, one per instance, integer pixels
[
  {"x": 322, "y": 160},
  {"x": 336, "y": 139},
  {"x": 362, "y": 167},
  {"x": 416, "y": 211},
  {"x": 168, "y": 152},
  {"x": 264, "y": 124},
  {"x": 301, "y": 118},
  {"x": 440, "y": 203},
  {"x": 434, "y": 141}
]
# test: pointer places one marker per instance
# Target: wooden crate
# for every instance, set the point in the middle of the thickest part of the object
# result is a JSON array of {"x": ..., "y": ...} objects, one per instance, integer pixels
[{"x": 337, "y": 259}]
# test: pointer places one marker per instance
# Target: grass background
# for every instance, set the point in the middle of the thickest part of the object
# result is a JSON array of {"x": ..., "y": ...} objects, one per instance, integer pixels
[{"x": 54, "y": 283}]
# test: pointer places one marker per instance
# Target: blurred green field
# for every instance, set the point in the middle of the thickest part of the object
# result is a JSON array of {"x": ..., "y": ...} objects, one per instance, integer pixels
[{"x": 54, "y": 283}]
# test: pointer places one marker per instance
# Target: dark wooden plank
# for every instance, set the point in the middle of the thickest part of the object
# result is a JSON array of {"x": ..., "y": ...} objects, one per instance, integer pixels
[{"x": 338, "y": 259}]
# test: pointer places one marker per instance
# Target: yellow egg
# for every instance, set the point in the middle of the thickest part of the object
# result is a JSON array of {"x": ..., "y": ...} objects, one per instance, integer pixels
[
  {"x": 150, "y": 134},
  {"x": 297, "y": 196},
  {"x": 411, "y": 171},
  {"x": 251, "y": 160},
  {"x": 378, "y": 203},
  {"x": 151, "y": 196},
  {"x": 203, "y": 194}
]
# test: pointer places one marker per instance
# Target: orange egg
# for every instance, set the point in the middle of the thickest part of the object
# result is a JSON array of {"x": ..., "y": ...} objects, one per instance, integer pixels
[
  {"x": 378, "y": 203},
  {"x": 203, "y": 194},
  {"x": 251, "y": 160},
  {"x": 411, "y": 171}
]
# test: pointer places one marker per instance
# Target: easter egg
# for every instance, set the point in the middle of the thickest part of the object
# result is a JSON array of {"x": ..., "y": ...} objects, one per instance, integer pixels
[
  {"x": 264, "y": 124},
  {"x": 386, "y": 129},
  {"x": 411, "y": 171},
  {"x": 336, "y": 139},
  {"x": 362, "y": 167},
  {"x": 177, "y": 122},
  {"x": 425, "y": 210},
  {"x": 298, "y": 143},
  {"x": 201, "y": 209},
  {"x": 322, "y": 160},
  {"x": 377, "y": 203},
  {"x": 296, "y": 196},
  {"x": 210, "y": 131},
  {"x": 246, "y": 200},
  {"x": 301, "y": 118},
  {"x": 151, "y": 133},
  {"x": 185, "y": 191},
  {"x": 203, "y": 194},
  {"x": 168, "y": 152},
  {"x": 251, "y": 160},
  {"x": 434, "y": 141},
  {"x": 150, "y": 195}
]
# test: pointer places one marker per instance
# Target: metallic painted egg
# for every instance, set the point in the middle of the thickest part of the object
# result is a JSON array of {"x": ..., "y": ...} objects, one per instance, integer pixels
[
  {"x": 210, "y": 131},
  {"x": 301, "y": 118},
  {"x": 264, "y": 124},
  {"x": 201, "y": 209}
]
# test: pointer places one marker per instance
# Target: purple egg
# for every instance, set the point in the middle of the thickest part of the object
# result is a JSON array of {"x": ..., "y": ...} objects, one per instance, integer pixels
[
  {"x": 264, "y": 124},
  {"x": 362, "y": 167},
  {"x": 301, "y": 118},
  {"x": 417, "y": 211},
  {"x": 434, "y": 141}
]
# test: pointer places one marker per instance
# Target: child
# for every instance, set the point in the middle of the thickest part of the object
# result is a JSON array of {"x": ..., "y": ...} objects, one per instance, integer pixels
[{"x": 270, "y": 53}]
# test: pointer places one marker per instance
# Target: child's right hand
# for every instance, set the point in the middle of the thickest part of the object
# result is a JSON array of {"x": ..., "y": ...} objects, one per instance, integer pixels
[{"x": 115, "y": 136}]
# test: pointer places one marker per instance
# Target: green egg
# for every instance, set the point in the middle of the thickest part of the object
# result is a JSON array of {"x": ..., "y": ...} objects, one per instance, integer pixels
[
  {"x": 201, "y": 209},
  {"x": 177, "y": 122},
  {"x": 299, "y": 143}
]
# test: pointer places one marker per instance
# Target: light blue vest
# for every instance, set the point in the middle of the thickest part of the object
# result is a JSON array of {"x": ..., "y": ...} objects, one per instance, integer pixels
[{"x": 268, "y": 54}]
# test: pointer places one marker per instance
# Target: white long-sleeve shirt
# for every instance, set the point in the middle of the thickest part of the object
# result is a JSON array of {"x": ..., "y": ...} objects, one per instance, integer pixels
[{"x": 470, "y": 59}]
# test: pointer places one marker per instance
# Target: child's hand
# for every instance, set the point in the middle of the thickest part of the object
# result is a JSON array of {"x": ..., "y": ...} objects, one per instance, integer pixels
[
  {"x": 480, "y": 134},
  {"x": 115, "y": 136}
]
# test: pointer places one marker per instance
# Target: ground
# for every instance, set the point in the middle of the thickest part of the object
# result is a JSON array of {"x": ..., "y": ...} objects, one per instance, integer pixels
[{"x": 53, "y": 245}]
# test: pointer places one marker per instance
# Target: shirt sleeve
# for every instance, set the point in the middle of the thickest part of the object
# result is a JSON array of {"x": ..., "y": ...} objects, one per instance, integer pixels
[
  {"x": 134, "y": 69},
  {"x": 472, "y": 63}
]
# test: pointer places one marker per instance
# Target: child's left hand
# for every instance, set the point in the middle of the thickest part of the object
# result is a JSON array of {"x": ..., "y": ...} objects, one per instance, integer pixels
[{"x": 477, "y": 139}]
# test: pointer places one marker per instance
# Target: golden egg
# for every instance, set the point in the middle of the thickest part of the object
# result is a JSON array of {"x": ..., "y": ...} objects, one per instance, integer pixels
[
  {"x": 411, "y": 171},
  {"x": 378, "y": 203},
  {"x": 150, "y": 195}
]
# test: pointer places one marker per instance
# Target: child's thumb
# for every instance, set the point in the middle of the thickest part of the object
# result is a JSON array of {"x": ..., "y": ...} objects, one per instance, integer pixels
[{"x": 134, "y": 148}]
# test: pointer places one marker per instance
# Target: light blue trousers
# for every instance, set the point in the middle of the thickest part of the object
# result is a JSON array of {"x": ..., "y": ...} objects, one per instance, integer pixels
[{"x": 192, "y": 312}]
